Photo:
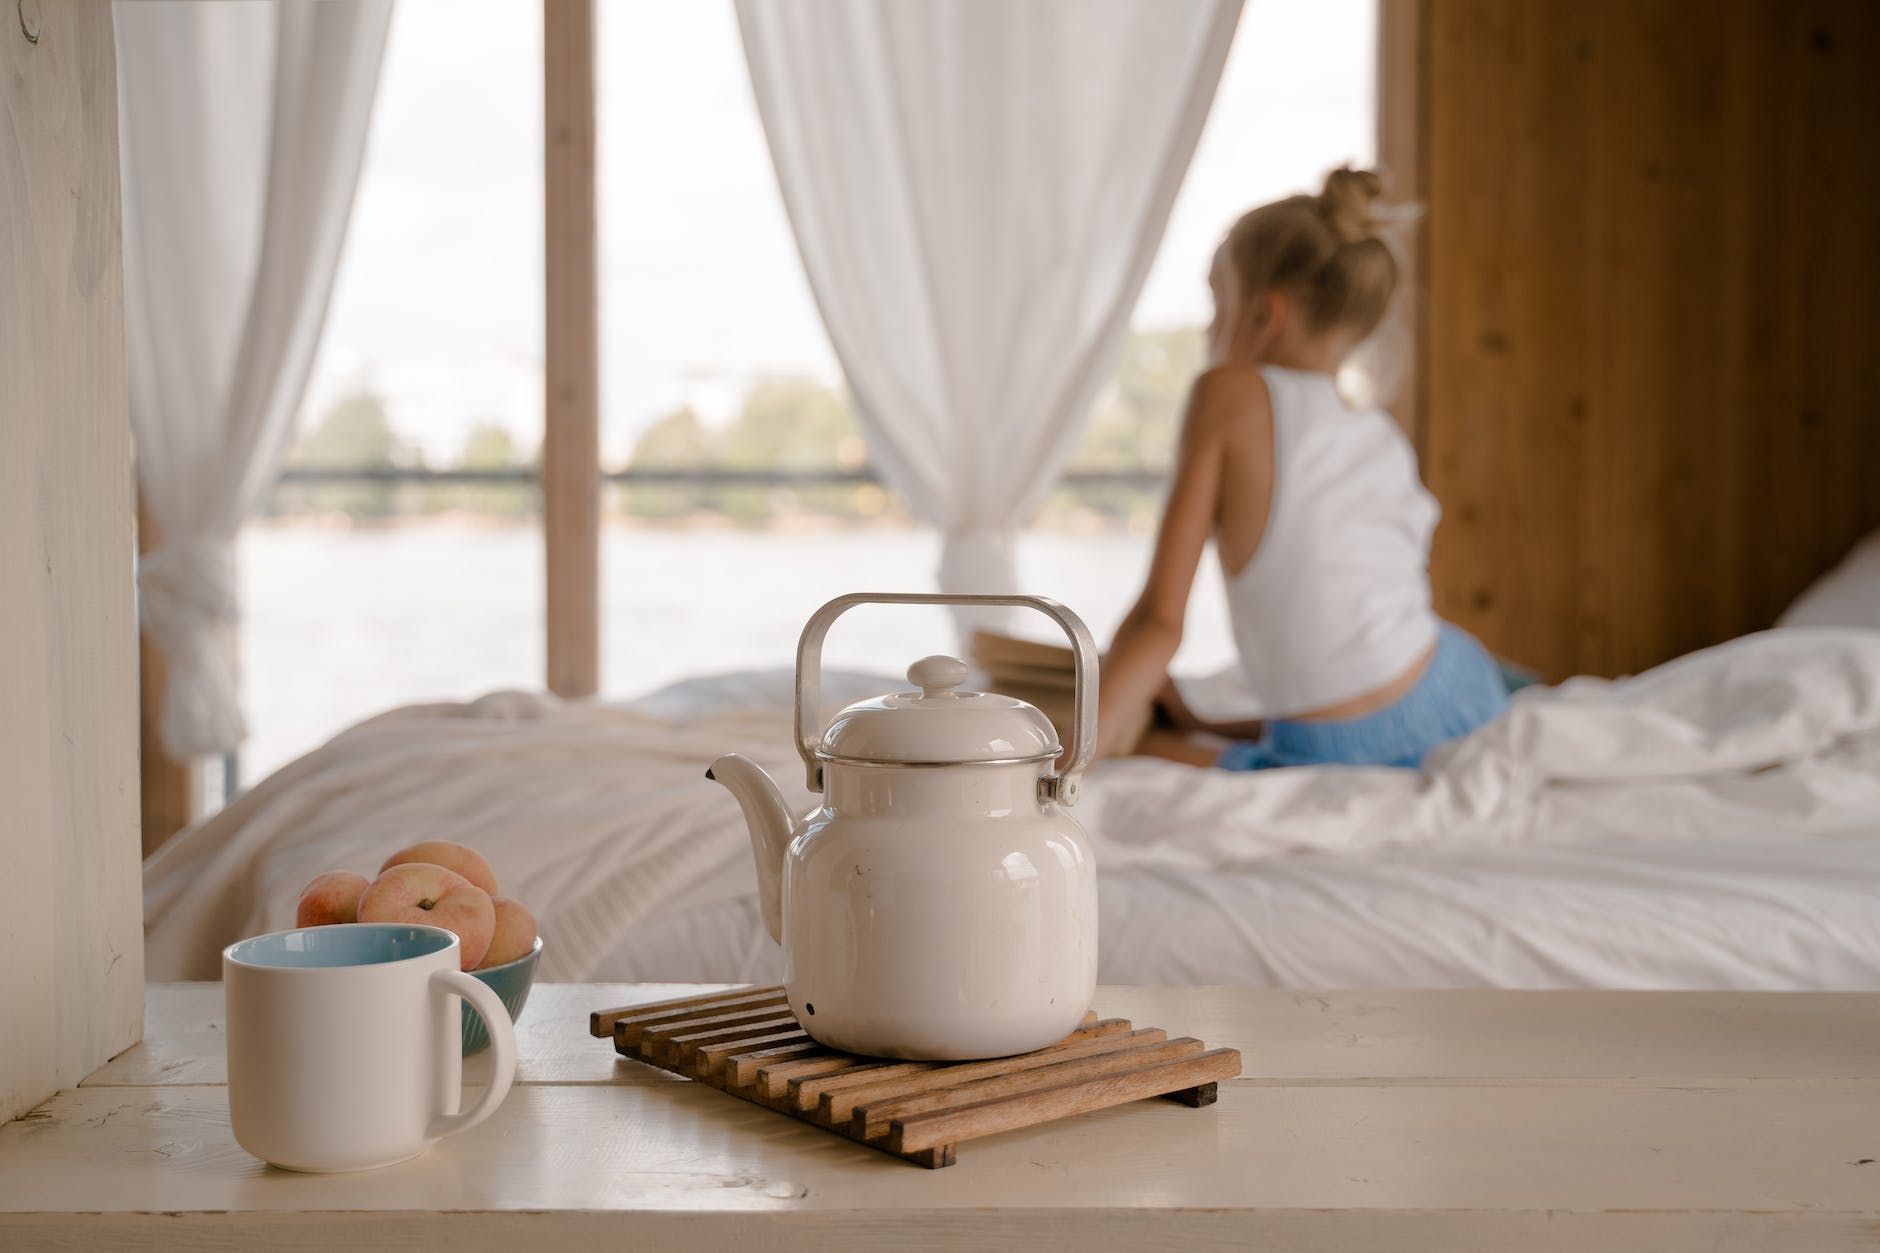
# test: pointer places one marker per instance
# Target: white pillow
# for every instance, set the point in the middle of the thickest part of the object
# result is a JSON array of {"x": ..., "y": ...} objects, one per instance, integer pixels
[{"x": 1846, "y": 596}]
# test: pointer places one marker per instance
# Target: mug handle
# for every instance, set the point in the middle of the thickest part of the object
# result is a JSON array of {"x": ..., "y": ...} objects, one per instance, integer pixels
[{"x": 489, "y": 1007}]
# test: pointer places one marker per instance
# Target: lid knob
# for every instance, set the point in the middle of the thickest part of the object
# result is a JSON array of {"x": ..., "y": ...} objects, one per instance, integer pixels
[{"x": 937, "y": 676}]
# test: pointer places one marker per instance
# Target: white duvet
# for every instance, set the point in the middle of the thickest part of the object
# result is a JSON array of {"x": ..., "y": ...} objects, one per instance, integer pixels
[{"x": 1711, "y": 823}]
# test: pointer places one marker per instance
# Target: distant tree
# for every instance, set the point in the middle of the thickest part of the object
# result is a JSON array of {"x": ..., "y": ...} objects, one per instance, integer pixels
[
  {"x": 355, "y": 434},
  {"x": 490, "y": 446},
  {"x": 798, "y": 423},
  {"x": 794, "y": 423},
  {"x": 677, "y": 441},
  {"x": 791, "y": 423}
]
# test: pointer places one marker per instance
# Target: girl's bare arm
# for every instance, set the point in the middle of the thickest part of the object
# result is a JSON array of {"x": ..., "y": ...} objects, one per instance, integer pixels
[{"x": 1137, "y": 663}]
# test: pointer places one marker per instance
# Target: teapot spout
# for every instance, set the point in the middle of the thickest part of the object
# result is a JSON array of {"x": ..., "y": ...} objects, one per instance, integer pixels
[{"x": 769, "y": 820}]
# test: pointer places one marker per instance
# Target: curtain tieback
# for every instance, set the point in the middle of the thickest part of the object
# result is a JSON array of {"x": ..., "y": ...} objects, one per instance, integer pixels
[{"x": 187, "y": 601}]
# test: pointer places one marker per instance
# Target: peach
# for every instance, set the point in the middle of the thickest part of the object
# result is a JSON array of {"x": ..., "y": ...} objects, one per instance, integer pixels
[
  {"x": 514, "y": 935},
  {"x": 331, "y": 898},
  {"x": 419, "y": 892},
  {"x": 465, "y": 861}
]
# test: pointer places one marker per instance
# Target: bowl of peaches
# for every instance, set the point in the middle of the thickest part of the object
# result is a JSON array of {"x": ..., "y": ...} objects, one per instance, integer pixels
[{"x": 440, "y": 884}]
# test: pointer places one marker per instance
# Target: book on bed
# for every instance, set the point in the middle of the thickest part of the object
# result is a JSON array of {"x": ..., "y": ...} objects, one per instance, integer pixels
[{"x": 1041, "y": 674}]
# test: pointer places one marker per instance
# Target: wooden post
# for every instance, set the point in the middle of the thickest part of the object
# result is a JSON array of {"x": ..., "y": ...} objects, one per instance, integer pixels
[
  {"x": 1402, "y": 64},
  {"x": 571, "y": 434},
  {"x": 72, "y": 982},
  {"x": 169, "y": 788}
]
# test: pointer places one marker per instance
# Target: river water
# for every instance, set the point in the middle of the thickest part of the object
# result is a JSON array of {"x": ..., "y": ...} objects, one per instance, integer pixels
[{"x": 339, "y": 624}]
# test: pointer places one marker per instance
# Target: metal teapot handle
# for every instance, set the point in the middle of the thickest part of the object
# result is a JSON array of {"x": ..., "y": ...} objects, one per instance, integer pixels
[{"x": 1060, "y": 786}]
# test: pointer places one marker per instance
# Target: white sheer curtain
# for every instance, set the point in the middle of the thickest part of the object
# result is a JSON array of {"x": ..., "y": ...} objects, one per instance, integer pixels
[
  {"x": 978, "y": 188},
  {"x": 242, "y": 127}
]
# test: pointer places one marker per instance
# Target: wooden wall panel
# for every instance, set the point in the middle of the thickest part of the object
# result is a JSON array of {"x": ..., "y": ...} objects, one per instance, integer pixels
[
  {"x": 1653, "y": 308},
  {"x": 71, "y": 924},
  {"x": 1402, "y": 121}
]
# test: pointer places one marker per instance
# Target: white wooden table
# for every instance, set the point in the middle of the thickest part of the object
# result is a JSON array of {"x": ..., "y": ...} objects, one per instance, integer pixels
[{"x": 1404, "y": 1120}]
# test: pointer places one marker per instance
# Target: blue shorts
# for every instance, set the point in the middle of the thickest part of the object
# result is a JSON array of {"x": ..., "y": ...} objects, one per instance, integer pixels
[{"x": 1462, "y": 689}]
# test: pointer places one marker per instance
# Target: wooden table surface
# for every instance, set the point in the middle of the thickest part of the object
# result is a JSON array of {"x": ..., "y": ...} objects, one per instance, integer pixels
[{"x": 1413, "y": 1120}]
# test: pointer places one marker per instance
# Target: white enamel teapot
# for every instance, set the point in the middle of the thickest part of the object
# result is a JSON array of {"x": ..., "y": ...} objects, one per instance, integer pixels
[{"x": 941, "y": 903}]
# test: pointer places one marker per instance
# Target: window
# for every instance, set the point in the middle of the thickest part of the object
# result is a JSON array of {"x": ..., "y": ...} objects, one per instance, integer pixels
[
  {"x": 717, "y": 378},
  {"x": 358, "y": 596}
]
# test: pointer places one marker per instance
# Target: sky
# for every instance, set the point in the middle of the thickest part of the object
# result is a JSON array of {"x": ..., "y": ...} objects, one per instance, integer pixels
[{"x": 437, "y": 306}]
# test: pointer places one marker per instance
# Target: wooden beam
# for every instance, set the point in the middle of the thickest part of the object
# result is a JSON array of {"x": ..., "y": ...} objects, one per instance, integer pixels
[
  {"x": 1402, "y": 122},
  {"x": 571, "y": 434},
  {"x": 72, "y": 983},
  {"x": 169, "y": 788}
]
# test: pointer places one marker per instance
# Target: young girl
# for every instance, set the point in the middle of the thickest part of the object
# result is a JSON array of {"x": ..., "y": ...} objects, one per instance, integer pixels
[{"x": 1322, "y": 526}]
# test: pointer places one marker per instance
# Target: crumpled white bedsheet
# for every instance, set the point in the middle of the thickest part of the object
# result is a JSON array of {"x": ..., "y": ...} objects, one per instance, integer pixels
[
  {"x": 1771, "y": 732},
  {"x": 1711, "y": 823}
]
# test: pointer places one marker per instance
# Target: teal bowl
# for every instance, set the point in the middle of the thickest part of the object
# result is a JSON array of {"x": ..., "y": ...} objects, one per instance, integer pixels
[{"x": 511, "y": 981}]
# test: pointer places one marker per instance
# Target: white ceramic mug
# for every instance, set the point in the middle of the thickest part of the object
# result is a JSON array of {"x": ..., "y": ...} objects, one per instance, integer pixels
[{"x": 345, "y": 1045}]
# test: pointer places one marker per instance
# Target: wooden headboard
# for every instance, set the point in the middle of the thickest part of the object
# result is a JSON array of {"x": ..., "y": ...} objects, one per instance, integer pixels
[{"x": 1648, "y": 393}]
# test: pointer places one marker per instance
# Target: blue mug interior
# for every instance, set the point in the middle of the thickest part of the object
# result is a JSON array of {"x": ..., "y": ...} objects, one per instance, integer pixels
[{"x": 346, "y": 944}]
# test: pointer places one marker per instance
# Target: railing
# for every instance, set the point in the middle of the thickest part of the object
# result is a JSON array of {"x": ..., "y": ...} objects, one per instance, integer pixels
[{"x": 661, "y": 476}]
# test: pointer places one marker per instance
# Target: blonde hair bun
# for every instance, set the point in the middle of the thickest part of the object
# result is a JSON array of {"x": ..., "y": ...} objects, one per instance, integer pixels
[
  {"x": 1325, "y": 249},
  {"x": 1346, "y": 202}
]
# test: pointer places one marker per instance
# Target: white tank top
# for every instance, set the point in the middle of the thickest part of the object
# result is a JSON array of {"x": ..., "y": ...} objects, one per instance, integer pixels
[{"x": 1336, "y": 600}]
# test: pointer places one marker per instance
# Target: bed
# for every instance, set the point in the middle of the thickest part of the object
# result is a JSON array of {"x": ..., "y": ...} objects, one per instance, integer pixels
[{"x": 1712, "y": 823}]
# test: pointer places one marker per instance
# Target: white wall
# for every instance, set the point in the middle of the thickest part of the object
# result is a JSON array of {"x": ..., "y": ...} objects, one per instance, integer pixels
[{"x": 71, "y": 918}]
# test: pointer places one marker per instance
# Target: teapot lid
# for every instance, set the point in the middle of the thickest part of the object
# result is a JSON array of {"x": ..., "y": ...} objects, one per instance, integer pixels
[{"x": 939, "y": 724}]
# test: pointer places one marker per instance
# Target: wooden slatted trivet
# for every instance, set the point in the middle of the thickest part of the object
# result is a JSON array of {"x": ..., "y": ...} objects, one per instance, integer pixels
[{"x": 748, "y": 1043}]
